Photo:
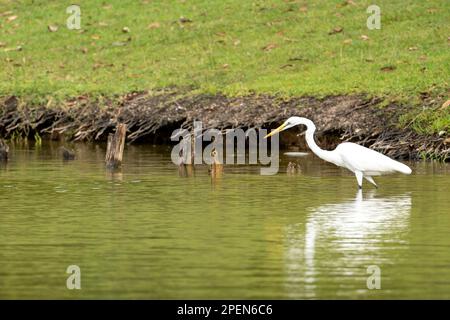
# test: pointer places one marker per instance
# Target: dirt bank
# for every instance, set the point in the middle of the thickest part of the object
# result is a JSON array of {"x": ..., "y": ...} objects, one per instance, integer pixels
[{"x": 151, "y": 117}]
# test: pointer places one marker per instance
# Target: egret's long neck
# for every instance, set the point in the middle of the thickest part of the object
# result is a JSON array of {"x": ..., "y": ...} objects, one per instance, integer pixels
[{"x": 323, "y": 154}]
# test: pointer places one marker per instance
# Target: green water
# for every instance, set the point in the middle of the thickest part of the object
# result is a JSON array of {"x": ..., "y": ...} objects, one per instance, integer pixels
[{"x": 146, "y": 232}]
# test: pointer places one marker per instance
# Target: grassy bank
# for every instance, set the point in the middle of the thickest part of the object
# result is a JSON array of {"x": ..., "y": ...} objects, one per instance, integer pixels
[{"x": 287, "y": 47}]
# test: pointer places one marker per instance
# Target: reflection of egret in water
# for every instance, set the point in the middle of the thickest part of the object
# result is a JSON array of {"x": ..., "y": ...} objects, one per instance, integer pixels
[{"x": 342, "y": 239}]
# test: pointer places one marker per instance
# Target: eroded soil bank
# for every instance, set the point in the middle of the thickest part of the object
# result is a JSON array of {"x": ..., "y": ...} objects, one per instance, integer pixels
[{"x": 151, "y": 117}]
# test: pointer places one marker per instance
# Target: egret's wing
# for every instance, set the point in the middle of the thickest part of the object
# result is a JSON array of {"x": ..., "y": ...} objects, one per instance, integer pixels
[{"x": 359, "y": 158}]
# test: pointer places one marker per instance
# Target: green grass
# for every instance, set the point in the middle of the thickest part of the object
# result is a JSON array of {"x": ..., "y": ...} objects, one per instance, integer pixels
[{"x": 221, "y": 50}]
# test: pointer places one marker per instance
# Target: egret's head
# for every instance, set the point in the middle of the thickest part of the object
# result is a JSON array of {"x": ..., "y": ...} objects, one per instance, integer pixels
[{"x": 292, "y": 122}]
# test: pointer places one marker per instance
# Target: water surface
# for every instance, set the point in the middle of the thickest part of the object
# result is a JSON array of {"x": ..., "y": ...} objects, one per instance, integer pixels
[{"x": 146, "y": 232}]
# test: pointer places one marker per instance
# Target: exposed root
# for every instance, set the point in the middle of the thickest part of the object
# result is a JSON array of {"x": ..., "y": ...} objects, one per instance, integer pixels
[{"x": 154, "y": 115}]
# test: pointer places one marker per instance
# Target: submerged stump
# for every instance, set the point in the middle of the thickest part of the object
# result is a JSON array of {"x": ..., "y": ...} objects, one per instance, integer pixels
[
  {"x": 293, "y": 169},
  {"x": 115, "y": 147},
  {"x": 4, "y": 150}
]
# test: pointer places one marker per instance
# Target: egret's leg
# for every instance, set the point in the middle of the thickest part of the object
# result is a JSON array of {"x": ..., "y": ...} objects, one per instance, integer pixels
[
  {"x": 370, "y": 179},
  {"x": 359, "y": 178}
]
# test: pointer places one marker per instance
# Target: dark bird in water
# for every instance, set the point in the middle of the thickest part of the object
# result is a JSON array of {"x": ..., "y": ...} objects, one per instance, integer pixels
[{"x": 67, "y": 154}]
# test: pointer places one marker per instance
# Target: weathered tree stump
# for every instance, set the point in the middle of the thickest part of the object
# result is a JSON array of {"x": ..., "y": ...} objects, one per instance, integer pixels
[
  {"x": 116, "y": 145},
  {"x": 216, "y": 168},
  {"x": 186, "y": 167},
  {"x": 186, "y": 170},
  {"x": 4, "y": 150},
  {"x": 293, "y": 169}
]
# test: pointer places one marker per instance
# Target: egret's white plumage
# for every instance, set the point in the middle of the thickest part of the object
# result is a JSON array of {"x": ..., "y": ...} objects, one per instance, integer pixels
[{"x": 362, "y": 161}]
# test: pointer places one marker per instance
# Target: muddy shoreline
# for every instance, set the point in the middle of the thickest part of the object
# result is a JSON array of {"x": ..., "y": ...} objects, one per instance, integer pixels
[{"x": 151, "y": 117}]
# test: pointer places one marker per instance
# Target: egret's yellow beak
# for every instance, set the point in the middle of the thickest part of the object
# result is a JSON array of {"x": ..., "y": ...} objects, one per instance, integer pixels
[{"x": 280, "y": 128}]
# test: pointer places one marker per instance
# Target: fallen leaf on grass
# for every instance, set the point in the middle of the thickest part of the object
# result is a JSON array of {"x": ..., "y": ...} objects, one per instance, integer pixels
[
  {"x": 274, "y": 23},
  {"x": 336, "y": 30},
  {"x": 185, "y": 20},
  {"x": 296, "y": 59},
  {"x": 52, "y": 28},
  {"x": 348, "y": 41},
  {"x": 84, "y": 50},
  {"x": 412, "y": 48},
  {"x": 290, "y": 9},
  {"x": 364, "y": 37},
  {"x": 2, "y": 44},
  {"x": 6, "y": 13},
  {"x": 98, "y": 65},
  {"x": 12, "y": 18},
  {"x": 125, "y": 30},
  {"x": 119, "y": 44},
  {"x": 269, "y": 47},
  {"x": 388, "y": 68},
  {"x": 18, "y": 48},
  {"x": 348, "y": 2},
  {"x": 286, "y": 66},
  {"x": 95, "y": 37},
  {"x": 447, "y": 141},
  {"x": 154, "y": 25},
  {"x": 303, "y": 9},
  {"x": 445, "y": 105}
]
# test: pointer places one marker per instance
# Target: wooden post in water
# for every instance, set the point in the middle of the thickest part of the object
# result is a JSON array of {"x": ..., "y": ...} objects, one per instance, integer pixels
[
  {"x": 4, "y": 150},
  {"x": 216, "y": 169},
  {"x": 293, "y": 168},
  {"x": 116, "y": 144},
  {"x": 186, "y": 166}
]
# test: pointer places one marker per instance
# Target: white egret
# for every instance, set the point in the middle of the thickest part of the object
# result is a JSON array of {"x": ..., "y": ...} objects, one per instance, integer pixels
[{"x": 363, "y": 162}]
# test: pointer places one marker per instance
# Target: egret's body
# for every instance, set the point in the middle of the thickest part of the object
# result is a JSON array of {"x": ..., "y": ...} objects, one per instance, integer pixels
[{"x": 362, "y": 161}]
